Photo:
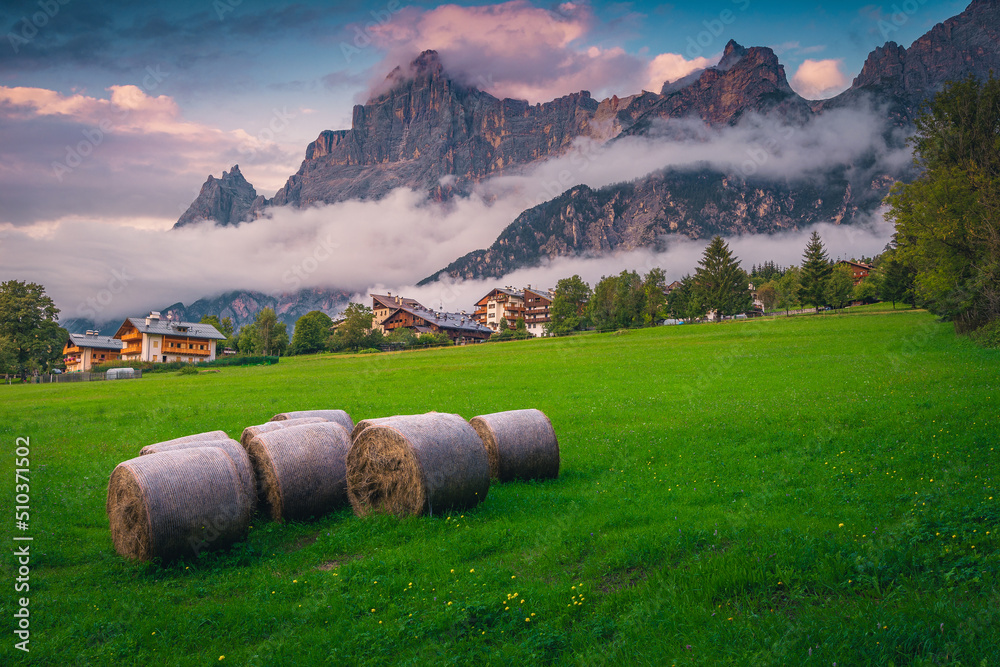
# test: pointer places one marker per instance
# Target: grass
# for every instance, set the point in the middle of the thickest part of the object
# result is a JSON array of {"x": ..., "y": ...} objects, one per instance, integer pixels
[{"x": 796, "y": 491}]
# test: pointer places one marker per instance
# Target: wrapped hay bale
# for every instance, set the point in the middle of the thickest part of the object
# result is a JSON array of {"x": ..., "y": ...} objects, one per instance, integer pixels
[
  {"x": 338, "y": 416},
  {"x": 197, "y": 437},
  {"x": 176, "y": 503},
  {"x": 521, "y": 444},
  {"x": 365, "y": 423},
  {"x": 233, "y": 449},
  {"x": 302, "y": 469},
  {"x": 250, "y": 431},
  {"x": 417, "y": 464}
]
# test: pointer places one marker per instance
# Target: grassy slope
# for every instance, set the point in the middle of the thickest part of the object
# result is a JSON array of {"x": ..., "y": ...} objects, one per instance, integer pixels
[{"x": 706, "y": 472}]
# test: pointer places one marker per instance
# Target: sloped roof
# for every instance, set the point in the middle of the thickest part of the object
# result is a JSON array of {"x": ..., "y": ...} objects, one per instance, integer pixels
[
  {"x": 544, "y": 293},
  {"x": 168, "y": 328},
  {"x": 95, "y": 342},
  {"x": 453, "y": 321},
  {"x": 388, "y": 301}
]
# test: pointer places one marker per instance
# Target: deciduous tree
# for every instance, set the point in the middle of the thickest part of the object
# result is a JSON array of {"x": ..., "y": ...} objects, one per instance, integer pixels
[{"x": 29, "y": 320}]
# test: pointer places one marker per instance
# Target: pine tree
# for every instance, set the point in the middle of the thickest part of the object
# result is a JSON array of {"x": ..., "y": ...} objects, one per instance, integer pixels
[
  {"x": 815, "y": 274},
  {"x": 721, "y": 284}
]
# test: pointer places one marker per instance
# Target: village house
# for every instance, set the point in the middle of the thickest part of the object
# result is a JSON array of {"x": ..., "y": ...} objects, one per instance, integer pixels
[
  {"x": 537, "y": 309},
  {"x": 155, "y": 339},
  {"x": 462, "y": 329},
  {"x": 859, "y": 269},
  {"x": 501, "y": 303},
  {"x": 384, "y": 305},
  {"x": 83, "y": 351}
]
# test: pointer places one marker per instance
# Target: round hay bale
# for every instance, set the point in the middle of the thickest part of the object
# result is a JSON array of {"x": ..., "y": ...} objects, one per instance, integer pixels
[
  {"x": 232, "y": 448},
  {"x": 302, "y": 470},
  {"x": 176, "y": 503},
  {"x": 250, "y": 431},
  {"x": 197, "y": 437},
  {"x": 521, "y": 444},
  {"x": 338, "y": 416},
  {"x": 365, "y": 423},
  {"x": 417, "y": 464}
]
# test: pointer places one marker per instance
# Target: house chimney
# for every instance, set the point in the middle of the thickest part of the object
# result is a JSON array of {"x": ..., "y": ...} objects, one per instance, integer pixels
[{"x": 154, "y": 316}]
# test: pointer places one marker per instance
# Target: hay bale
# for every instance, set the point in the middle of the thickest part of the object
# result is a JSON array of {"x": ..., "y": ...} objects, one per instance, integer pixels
[
  {"x": 197, "y": 437},
  {"x": 417, "y": 464},
  {"x": 521, "y": 444},
  {"x": 365, "y": 423},
  {"x": 176, "y": 503},
  {"x": 250, "y": 431},
  {"x": 302, "y": 469},
  {"x": 338, "y": 416},
  {"x": 233, "y": 449}
]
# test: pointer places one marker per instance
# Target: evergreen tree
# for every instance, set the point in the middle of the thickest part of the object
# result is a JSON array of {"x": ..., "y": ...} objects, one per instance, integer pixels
[
  {"x": 815, "y": 274},
  {"x": 720, "y": 283}
]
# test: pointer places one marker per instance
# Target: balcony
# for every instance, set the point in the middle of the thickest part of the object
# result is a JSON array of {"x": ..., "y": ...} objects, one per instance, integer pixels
[{"x": 132, "y": 335}]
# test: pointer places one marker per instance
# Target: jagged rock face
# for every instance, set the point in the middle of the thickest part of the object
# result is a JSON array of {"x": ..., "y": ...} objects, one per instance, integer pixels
[
  {"x": 695, "y": 204},
  {"x": 428, "y": 127},
  {"x": 745, "y": 80},
  {"x": 905, "y": 78},
  {"x": 227, "y": 200}
]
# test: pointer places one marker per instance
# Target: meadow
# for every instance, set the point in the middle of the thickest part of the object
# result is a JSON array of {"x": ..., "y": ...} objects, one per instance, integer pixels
[{"x": 812, "y": 490}]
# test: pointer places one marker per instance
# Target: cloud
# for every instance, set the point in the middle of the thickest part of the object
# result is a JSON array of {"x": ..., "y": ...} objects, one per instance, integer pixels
[
  {"x": 680, "y": 258},
  {"x": 819, "y": 79},
  {"x": 516, "y": 50},
  {"x": 668, "y": 67},
  {"x": 404, "y": 237},
  {"x": 760, "y": 147},
  {"x": 128, "y": 155}
]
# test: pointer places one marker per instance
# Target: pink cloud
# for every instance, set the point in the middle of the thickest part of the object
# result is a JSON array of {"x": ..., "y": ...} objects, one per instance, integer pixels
[
  {"x": 515, "y": 49},
  {"x": 668, "y": 67},
  {"x": 819, "y": 79}
]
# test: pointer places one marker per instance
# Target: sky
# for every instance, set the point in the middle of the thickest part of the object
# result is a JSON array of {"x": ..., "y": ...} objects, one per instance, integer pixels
[{"x": 113, "y": 114}]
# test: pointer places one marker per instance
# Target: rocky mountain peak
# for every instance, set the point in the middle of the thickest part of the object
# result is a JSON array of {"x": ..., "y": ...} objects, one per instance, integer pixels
[
  {"x": 226, "y": 201},
  {"x": 731, "y": 55},
  {"x": 884, "y": 66}
]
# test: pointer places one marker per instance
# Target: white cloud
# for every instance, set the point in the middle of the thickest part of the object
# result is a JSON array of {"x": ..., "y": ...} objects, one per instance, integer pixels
[{"x": 819, "y": 79}]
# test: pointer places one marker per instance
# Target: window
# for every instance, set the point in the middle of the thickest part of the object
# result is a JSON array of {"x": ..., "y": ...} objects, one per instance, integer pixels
[{"x": 156, "y": 343}]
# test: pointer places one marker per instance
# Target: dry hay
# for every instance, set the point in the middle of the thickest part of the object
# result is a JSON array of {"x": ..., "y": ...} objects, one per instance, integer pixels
[
  {"x": 365, "y": 423},
  {"x": 521, "y": 444},
  {"x": 250, "y": 431},
  {"x": 197, "y": 437},
  {"x": 301, "y": 469},
  {"x": 417, "y": 464},
  {"x": 176, "y": 503},
  {"x": 338, "y": 416},
  {"x": 232, "y": 448}
]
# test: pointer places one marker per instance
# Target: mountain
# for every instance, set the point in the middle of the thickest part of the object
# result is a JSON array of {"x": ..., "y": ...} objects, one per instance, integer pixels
[
  {"x": 240, "y": 305},
  {"x": 694, "y": 204},
  {"x": 905, "y": 78},
  {"x": 701, "y": 203},
  {"x": 228, "y": 200},
  {"x": 429, "y": 131}
]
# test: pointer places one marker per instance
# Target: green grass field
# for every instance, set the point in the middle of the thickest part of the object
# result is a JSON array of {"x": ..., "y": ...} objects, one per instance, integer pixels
[{"x": 802, "y": 491}]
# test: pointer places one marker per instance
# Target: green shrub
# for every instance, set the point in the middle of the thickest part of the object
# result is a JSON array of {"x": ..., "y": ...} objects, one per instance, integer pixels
[
  {"x": 987, "y": 335},
  {"x": 188, "y": 370},
  {"x": 369, "y": 350}
]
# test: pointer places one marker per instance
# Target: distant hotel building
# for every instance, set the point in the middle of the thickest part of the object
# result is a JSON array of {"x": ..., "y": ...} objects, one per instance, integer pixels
[
  {"x": 154, "y": 339},
  {"x": 83, "y": 351}
]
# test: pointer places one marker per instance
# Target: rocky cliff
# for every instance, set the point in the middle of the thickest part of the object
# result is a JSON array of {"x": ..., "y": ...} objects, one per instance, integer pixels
[{"x": 226, "y": 201}]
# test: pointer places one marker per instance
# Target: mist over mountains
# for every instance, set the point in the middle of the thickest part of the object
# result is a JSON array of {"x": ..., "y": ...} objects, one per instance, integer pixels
[{"x": 433, "y": 164}]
